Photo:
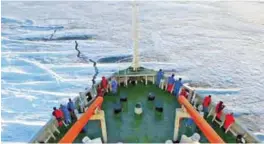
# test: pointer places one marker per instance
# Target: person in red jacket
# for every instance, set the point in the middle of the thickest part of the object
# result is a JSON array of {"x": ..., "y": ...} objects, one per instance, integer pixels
[
  {"x": 104, "y": 84},
  {"x": 100, "y": 91},
  {"x": 219, "y": 110},
  {"x": 206, "y": 102},
  {"x": 57, "y": 113},
  {"x": 229, "y": 119},
  {"x": 184, "y": 93}
]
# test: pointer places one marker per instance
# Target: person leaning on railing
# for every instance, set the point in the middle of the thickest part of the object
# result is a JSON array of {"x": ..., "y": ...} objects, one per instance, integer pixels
[
  {"x": 114, "y": 85},
  {"x": 184, "y": 93},
  {"x": 206, "y": 102},
  {"x": 71, "y": 108},
  {"x": 219, "y": 110},
  {"x": 100, "y": 91},
  {"x": 104, "y": 84},
  {"x": 170, "y": 84},
  {"x": 229, "y": 120},
  {"x": 66, "y": 114},
  {"x": 177, "y": 86},
  {"x": 57, "y": 113},
  {"x": 159, "y": 77}
]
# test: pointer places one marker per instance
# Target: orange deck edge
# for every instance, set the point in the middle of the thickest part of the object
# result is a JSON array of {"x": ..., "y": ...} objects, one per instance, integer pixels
[
  {"x": 207, "y": 130},
  {"x": 73, "y": 132}
]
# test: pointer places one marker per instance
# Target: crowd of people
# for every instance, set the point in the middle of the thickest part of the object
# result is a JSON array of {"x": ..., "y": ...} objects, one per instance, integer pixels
[
  {"x": 65, "y": 114},
  {"x": 229, "y": 117},
  {"x": 175, "y": 87},
  {"x": 105, "y": 86}
]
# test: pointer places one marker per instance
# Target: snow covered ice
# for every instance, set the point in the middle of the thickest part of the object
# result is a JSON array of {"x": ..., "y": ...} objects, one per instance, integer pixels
[{"x": 213, "y": 44}]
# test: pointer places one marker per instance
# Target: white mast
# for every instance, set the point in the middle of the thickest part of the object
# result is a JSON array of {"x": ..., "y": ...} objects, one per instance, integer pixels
[{"x": 135, "y": 62}]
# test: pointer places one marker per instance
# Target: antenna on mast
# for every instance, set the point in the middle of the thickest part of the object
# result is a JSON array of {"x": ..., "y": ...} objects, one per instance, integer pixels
[{"x": 135, "y": 62}]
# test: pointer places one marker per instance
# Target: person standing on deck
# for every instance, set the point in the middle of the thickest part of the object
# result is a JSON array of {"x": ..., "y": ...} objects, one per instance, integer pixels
[
  {"x": 206, "y": 102},
  {"x": 66, "y": 113},
  {"x": 184, "y": 93},
  {"x": 229, "y": 120},
  {"x": 71, "y": 108},
  {"x": 159, "y": 77},
  {"x": 171, "y": 81},
  {"x": 219, "y": 110},
  {"x": 177, "y": 86},
  {"x": 104, "y": 84},
  {"x": 58, "y": 115},
  {"x": 114, "y": 85},
  {"x": 100, "y": 91}
]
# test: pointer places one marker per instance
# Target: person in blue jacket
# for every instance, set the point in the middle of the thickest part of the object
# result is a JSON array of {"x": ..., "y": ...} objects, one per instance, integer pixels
[
  {"x": 66, "y": 114},
  {"x": 171, "y": 82},
  {"x": 177, "y": 86},
  {"x": 159, "y": 77},
  {"x": 114, "y": 85},
  {"x": 71, "y": 108}
]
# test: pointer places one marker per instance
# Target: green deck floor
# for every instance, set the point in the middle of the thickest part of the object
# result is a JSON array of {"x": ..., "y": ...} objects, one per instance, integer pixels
[{"x": 150, "y": 127}]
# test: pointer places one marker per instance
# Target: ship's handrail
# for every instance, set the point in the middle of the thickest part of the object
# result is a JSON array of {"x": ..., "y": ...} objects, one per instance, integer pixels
[
  {"x": 42, "y": 135},
  {"x": 208, "y": 131},
  {"x": 74, "y": 131},
  {"x": 237, "y": 127}
]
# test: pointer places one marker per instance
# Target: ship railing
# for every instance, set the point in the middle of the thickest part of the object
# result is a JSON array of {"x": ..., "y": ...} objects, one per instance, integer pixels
[
  {"x": 46, "y": 132},
  {"x": 236, "y": 128},
  {"x": 123, "y": 75},
  {"x": 51, "y": 127},
  {"x": 87, "y": 115}
]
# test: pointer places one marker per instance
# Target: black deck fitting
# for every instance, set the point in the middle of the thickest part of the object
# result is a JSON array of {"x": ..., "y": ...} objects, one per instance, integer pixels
[
  {"x": 123, "y": 98},
  {"x": 159, "y": 107},
  {"x": 117, "y": 108},
  {"x": 151, "y": 97}
]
